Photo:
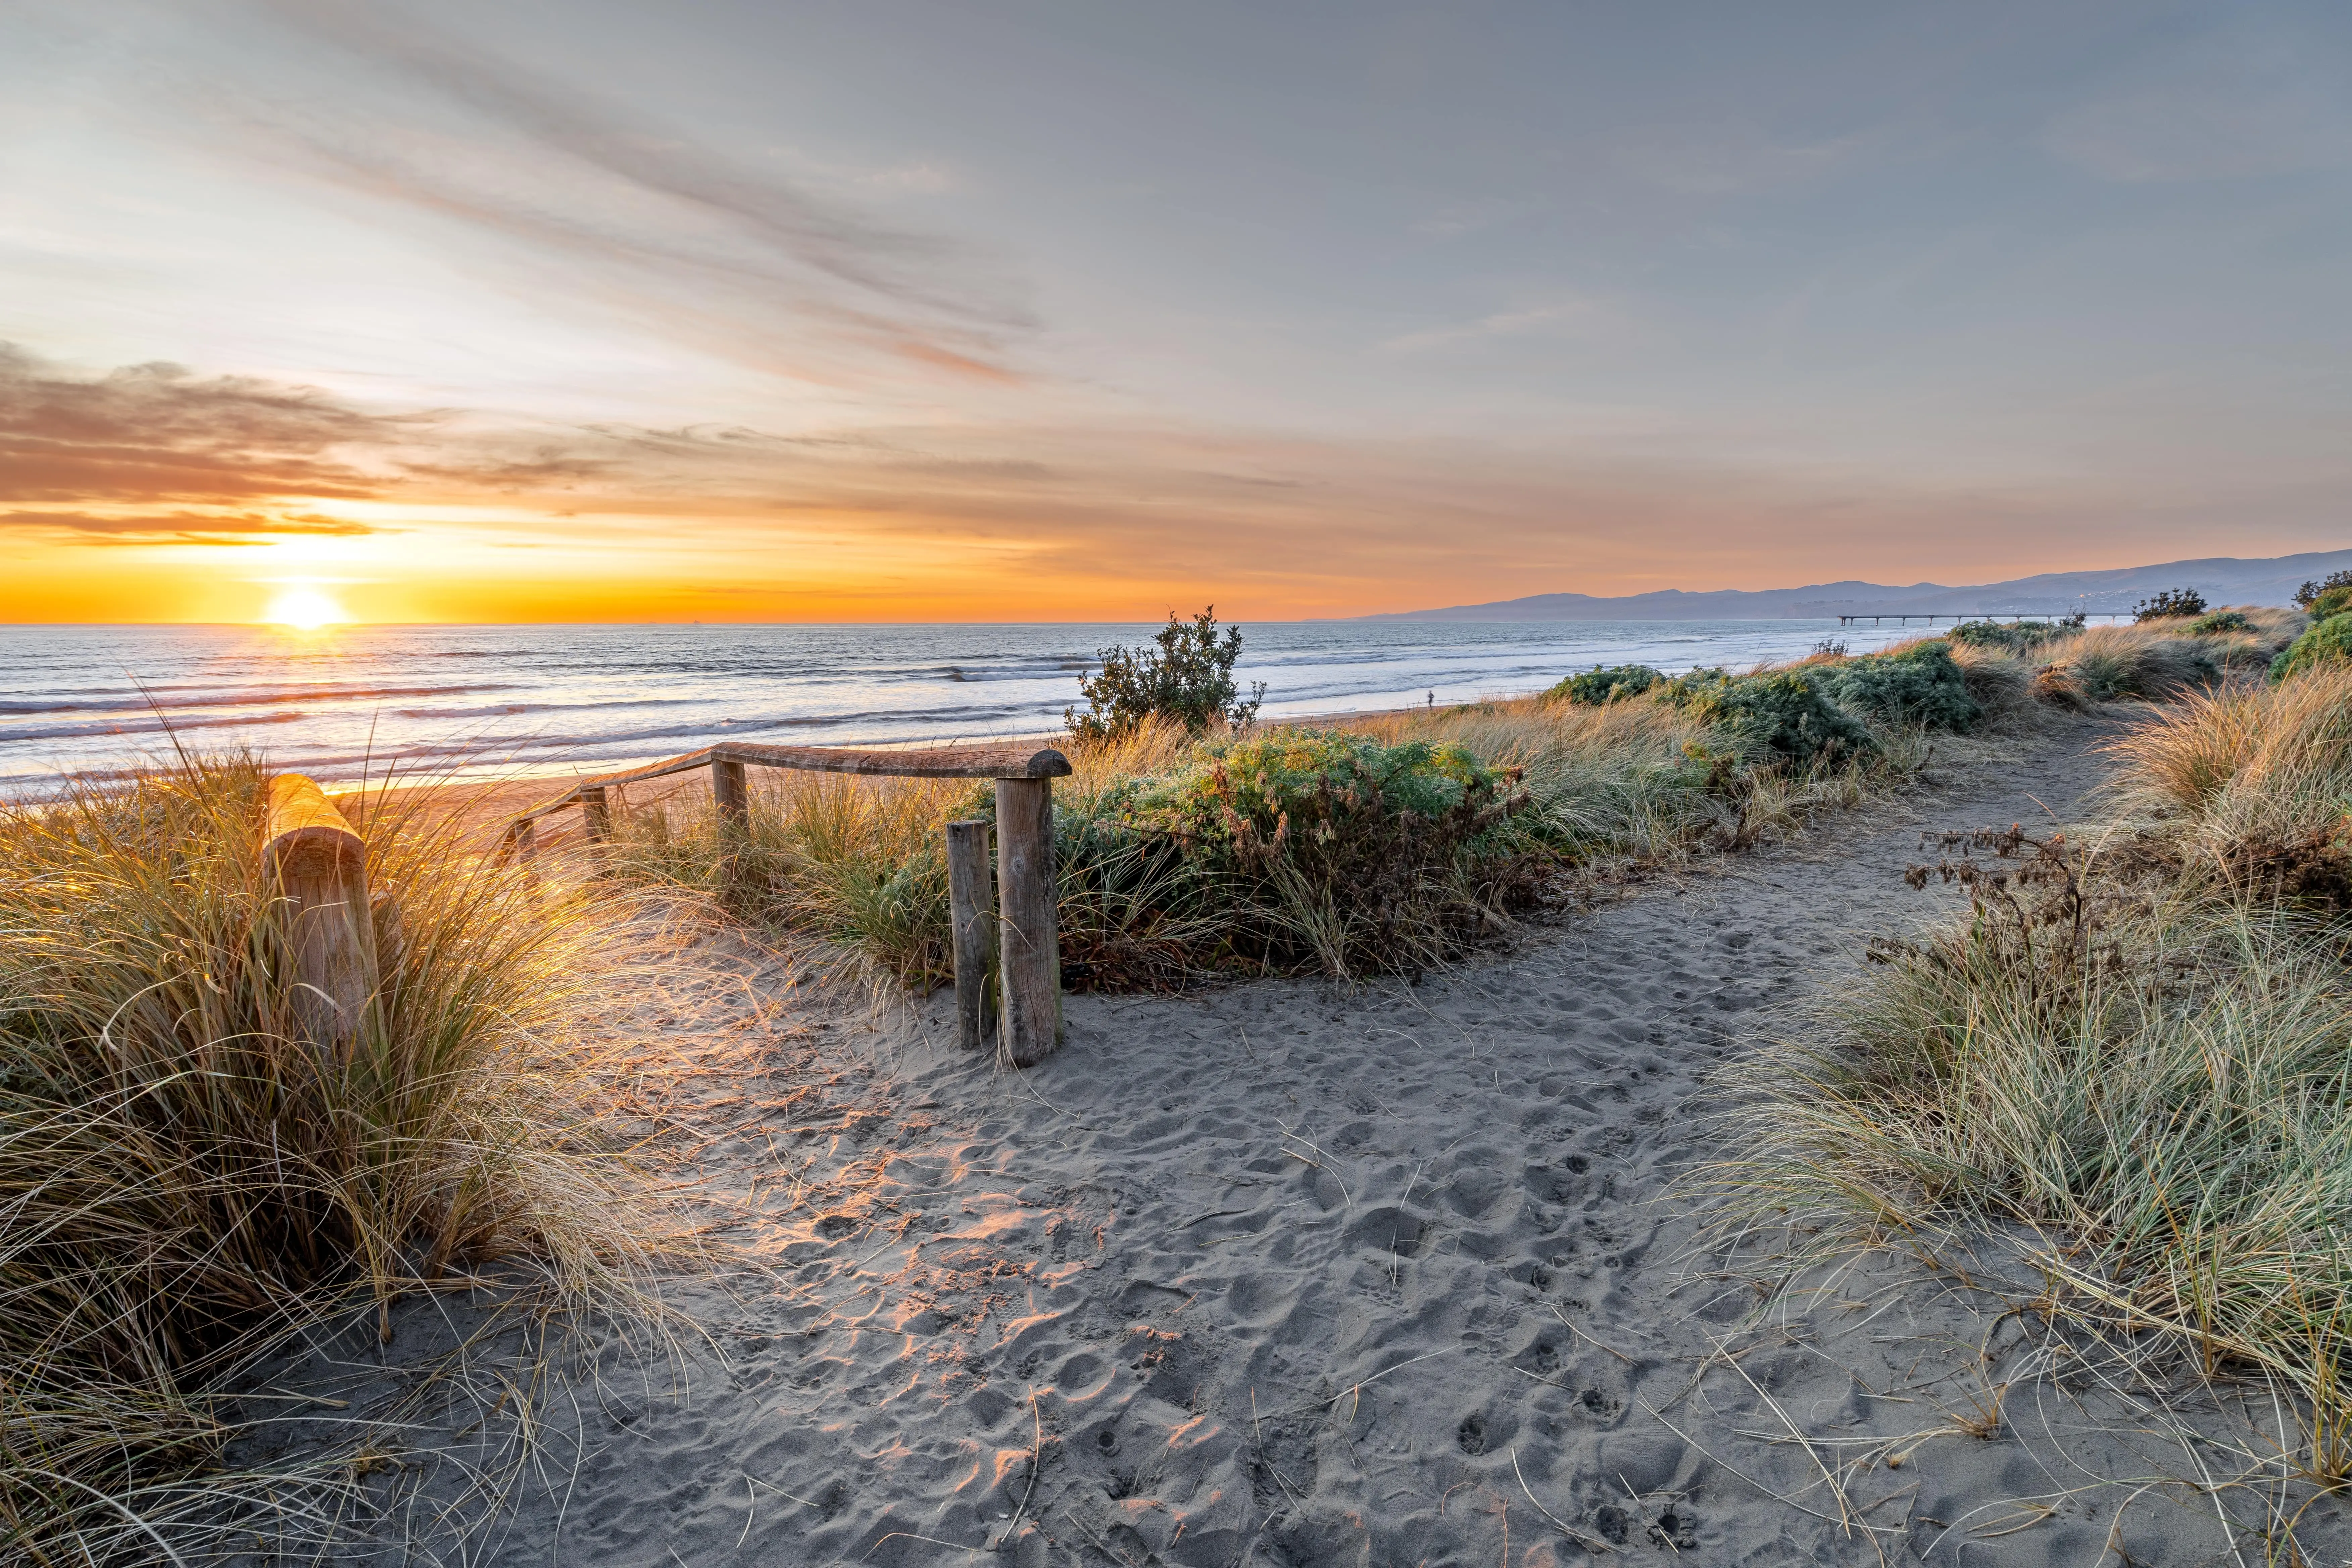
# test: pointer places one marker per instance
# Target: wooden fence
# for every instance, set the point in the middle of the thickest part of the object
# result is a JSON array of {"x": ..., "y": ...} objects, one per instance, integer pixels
[{"x": 1022, "y": 942}]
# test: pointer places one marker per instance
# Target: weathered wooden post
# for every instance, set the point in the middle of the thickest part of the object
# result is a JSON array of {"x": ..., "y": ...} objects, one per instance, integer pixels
[
  {"x": 316, "y": 866},
  {"x": 525, "y": 835},
  {"x": 732, "y": 796},
  {"x": 1029, "y": 972},
  {"x": 596, "y": 809},
  {"x": 971, "y": 907}
]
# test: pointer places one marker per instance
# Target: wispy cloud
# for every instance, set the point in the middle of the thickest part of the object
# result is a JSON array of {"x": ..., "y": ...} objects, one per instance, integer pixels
[
  {"x": 1081, "y": 517},
  {"x": 637, "y": 217},
  {"x": 1554, "y": 319},
  {"x": 127, "y": 529},
  {"x": 158, "y": 433}
]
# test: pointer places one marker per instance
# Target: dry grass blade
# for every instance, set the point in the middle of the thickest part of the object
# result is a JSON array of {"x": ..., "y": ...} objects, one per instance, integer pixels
[{"x": 186, "y": 1175}]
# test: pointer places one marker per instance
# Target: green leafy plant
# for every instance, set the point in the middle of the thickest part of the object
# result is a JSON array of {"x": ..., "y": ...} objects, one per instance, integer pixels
[
  {"x": 1782, "y": 712},
  {"x": 2307, "y": 597},
  {"x": 1187, "y": 677},
  {"x": 1362, "y": 855},
  {"x": 1920, "y": 685},
  {"x": 2013, "y": 636},
  {"x": 1600, "y": 684},
  {"x": 2332, "y": 601},
  {"x": 2220, "y": 622},
  {"x": 2171, "y": 604},
  {"x": 2326, "y": 642}
]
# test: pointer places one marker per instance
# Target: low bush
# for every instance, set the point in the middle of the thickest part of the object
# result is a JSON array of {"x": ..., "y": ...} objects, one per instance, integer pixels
[
  {"x": 2327, "y": 642},
  {"x": 187, "y": 1180},
  {"x": 1780, "y": 713},
  {"x": 1600, "y": 685},
  {"x": 2219, "y": 621},
  {"x": 1354, "y": 854},
  {"x": 1918, "y": 684},
  {"x": 2334, "y": 602},
  {"x": 2170, "y": 603},
  {"x": 2308, "y": 597},
  {"x": 2016, "y": 637}
]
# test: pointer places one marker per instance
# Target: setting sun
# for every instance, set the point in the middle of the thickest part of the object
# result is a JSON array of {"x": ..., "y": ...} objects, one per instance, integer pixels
[{"x": 305, "y": 609}]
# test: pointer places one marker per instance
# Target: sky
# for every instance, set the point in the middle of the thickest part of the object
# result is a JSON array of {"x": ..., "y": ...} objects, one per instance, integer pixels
[{"x": 877, "y": 309}]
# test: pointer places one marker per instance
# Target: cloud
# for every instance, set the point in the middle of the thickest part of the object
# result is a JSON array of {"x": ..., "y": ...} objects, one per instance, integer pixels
[
  {"x": 740, "y": 261},
  {"x": 1541, "y": 321},
  {"x": 188, "y": 527},
  {"x": 158, "y": 433},
  {"x": 1098, "y": 518}
]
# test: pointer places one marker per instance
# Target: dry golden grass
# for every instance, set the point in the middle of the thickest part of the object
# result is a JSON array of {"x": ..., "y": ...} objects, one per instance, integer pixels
[
  {"x": 2257, "y": 782},
  {"x": 185, "y": 1178},
  {"x": 2136, "y": 1045}
]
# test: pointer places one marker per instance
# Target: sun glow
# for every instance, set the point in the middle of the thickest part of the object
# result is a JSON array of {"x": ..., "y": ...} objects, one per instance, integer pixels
[{"x": 304, "y": 609}]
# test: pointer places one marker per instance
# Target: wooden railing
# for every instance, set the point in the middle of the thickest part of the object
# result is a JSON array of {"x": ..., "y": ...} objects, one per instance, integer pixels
[{"x": 1022, "y": 943}]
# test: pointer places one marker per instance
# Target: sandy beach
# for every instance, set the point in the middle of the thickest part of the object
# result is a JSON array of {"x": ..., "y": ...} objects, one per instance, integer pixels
[{"x": 1284, "y": 1273}]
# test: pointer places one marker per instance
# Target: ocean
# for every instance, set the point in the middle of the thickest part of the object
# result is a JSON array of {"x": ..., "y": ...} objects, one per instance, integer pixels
[{"x": 459, "y": 702}]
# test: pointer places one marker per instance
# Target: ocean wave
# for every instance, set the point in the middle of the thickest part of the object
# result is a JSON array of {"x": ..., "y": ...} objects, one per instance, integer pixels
[
  {"x": 125, "y": 701},
  {"x": 100, "y": 728}
]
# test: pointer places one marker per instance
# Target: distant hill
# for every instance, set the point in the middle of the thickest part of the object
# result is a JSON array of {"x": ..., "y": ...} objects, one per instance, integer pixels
[{"x": 2223, "y": 579}]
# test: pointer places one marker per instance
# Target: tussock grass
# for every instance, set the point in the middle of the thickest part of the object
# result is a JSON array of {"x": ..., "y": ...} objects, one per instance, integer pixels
[
  {"x": 2001, "y": 681},
  {"x": 2257, "y": 782},
  {"x": 2171, "y": 1114},
  {"x": 2137, "y": 1044},
  {"x": 184, "y": 1179},
  {"x": 2102, "y": 663}
]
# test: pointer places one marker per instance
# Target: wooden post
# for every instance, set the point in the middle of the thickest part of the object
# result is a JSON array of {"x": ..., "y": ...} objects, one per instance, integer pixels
[
  {"x": 598, "y": 812},
  {"x": 731, "y": 793},
  {"x": 1029, "y": 973},
  {"x": 525, "y": 843},
  {"x": 971, "y": 907},
  {"x": 316, "y": 866}
]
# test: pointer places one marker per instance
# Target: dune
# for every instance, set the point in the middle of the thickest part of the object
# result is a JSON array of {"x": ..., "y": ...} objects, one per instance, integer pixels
[{"x": 1280, "y": 1272}]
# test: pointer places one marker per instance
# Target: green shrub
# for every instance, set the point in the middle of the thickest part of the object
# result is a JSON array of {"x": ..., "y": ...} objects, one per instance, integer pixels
[
  {"x": 1779, "y": 712},
  {"x": 2307, "y": 597},
  {"x": 2013, "y": 636},
  {"x": 2327, "y": 642},
  {"x": 2219, "y": 622},
  {"x": 1339, "y": 852},
  {"x": 1916, "y": 685},
  {"x": 2171, "y": 604},
  {"x": 1189, "y": 680},
  {"x": 1599, "y": 685},
  {"x": 2332, "y": 601}
]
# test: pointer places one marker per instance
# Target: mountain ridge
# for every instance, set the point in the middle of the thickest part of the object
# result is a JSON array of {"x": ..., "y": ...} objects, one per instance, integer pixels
[{"x": 2222, "y": 579}]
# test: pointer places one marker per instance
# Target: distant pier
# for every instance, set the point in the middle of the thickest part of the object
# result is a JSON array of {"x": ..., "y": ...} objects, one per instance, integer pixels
[{"x": 1903, "y": 620}]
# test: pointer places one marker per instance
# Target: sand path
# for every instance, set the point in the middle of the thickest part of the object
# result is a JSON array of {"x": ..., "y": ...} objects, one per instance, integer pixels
[{"x": 1286, "y": 1274}]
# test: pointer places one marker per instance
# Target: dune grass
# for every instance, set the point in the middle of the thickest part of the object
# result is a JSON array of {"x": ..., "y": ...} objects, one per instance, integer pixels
[
  {"x": 2137, "y": 1043},
  {"x": 2257, "y": 782},
  {"x": 1373, "y": 874},
  {"x": 1386, "y": 845},
  {"x": 184, "y": 1180}
]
